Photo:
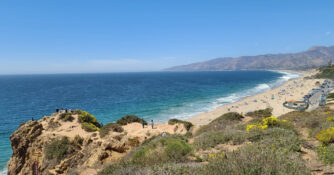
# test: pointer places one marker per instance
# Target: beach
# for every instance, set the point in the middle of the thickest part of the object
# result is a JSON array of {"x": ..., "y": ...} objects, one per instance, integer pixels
[{"x": 293, "y": 89}]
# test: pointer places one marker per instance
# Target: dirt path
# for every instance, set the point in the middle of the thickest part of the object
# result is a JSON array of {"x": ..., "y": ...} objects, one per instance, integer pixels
[{"x": 311, "y": 157}]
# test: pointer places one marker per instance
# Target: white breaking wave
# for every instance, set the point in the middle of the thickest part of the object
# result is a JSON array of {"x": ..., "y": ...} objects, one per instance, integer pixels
[
  {"x": 262, "y": 87},
  {"x": 229, "y": 99},
  {"x": 258, "y": 89},
  {"x": 4, "y": 171}
]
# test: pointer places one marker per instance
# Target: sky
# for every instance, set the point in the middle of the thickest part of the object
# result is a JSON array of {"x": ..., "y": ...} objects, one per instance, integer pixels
[{"x": 86, "y": 36}]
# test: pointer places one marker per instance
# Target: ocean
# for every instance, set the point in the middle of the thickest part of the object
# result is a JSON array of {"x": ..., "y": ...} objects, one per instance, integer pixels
[{"x": 151, "y": 95}]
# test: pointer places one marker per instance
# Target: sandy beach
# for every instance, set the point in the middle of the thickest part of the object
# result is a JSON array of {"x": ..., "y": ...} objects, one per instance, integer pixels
[{"x": 293, "y": 89}]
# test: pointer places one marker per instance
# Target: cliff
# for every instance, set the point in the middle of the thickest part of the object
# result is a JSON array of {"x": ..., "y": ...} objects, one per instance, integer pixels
[
  {"x": 298, "y": 142},
  {"x": 58, "y": 145},
  {"x": 313, "y": 57}
]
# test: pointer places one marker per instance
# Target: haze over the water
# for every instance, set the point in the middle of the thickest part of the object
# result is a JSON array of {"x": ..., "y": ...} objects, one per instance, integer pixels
[{"x": 120, "y": 36}]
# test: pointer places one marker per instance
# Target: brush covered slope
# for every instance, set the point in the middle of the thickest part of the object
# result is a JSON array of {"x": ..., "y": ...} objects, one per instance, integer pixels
[{"x": 295, "y": 143}]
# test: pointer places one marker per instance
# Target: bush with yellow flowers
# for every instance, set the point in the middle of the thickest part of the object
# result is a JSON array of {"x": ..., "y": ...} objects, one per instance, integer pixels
[
  {"x": 326, "y": 136},
  {"x": 330, "y": 119},
  {"x": 267, "y": 122}
]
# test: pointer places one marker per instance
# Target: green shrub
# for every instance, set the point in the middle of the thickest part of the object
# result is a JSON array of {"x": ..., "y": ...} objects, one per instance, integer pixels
[
  {"x": 188, "y": 135},
  {"x": 78, "y": 141},
  {"x": 127, "y": 168},
  {"x": 58, "y": 149},
  {"x": 315, "y": 121},
  {"x": 277, "y": 137},
  {"x": 110, "y": 127},
  {"x": 326, "y": 136},
  {"x": 255, "y": 159},
  {"x": 162, "y": 150},
  {"x": 326, "y": 153},
  {"x": 66, "y": 117},
  {"x": 262, "y": 113},
  {"x": 233, "y": 116},
  {"x": 325, "y": 72},
  {"x": 89, "y": 127},
  {"x": 186, "y": 124},
  {"x": 88, "y": 121},
  {"x": 210, "y": 140},
  {"x": 130, "y": 119},
  {"x": 221, "y": 124}
]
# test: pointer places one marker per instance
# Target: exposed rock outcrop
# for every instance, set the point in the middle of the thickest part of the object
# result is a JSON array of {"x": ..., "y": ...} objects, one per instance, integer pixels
[{"x": 81, "y": 152}]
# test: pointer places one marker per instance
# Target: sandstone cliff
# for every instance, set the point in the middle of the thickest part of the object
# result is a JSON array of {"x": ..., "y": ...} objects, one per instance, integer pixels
[{"x": 86, "y": 152}]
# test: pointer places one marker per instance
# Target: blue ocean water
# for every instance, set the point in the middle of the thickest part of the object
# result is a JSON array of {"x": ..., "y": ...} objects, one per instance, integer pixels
[{"x": 155, "y": 95}]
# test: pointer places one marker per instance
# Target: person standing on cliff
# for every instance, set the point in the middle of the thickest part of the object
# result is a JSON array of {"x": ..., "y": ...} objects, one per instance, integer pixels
[
  {"x": 152, "y": 124},
  {"x": 142, "y": 122}
]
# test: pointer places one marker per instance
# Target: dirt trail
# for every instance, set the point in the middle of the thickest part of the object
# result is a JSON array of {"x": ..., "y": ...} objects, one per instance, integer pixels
[{"x": 311, "y": 157}]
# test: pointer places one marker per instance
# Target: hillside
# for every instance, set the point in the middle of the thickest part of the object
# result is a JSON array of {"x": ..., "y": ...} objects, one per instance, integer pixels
[
  {"x": 294, "y": 143},
  {"x": 313, "y": 57},
  {"x": 75, "y": 143}
]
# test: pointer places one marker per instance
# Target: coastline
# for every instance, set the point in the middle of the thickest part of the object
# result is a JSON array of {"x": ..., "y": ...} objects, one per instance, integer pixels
[{"x": 294, "y": 89}]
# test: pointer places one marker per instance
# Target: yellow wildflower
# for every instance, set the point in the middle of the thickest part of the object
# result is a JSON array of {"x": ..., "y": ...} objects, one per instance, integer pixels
[{"x": 330, "y": 119}]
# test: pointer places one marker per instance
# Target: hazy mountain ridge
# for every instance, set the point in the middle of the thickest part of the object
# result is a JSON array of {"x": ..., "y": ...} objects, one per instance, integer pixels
[{"x": 313, "y": 57}]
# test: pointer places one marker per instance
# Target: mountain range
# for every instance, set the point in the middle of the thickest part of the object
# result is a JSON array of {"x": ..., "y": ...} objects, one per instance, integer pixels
[{"x": 311, "y": 58}]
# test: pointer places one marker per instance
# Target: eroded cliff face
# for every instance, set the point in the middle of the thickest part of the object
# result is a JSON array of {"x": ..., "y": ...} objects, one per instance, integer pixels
[
  {"x": 25, "y": 143},
  {"x": 86, "y": 156}
]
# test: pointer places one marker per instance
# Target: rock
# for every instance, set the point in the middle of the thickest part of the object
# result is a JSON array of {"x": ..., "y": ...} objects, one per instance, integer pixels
[
  {"x": 21, "y": 141},
  {"x": 103, "y": 156}
]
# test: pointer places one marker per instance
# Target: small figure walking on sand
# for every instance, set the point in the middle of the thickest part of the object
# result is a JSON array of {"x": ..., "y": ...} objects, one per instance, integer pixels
[
  {"x": 152, "y": 124},
  {"x": 142, "y": 122}
]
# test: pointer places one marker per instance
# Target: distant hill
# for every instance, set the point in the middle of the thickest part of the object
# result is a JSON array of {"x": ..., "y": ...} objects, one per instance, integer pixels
[{"x": 313, "y": 57}]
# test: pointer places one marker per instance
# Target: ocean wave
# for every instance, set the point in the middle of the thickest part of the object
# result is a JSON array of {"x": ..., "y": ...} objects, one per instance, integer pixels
[
  {"x": 188, "y": 110},
  {"x": 262, "y": 87},
  {"x": 228, "y": 99},
  {"x": 4, "y": 171},
  {"x": 286, "y": 76}
]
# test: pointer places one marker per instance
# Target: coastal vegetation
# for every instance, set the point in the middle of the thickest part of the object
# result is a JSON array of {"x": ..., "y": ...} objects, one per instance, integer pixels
[
  {"x": 186, "y": 124},
  {"x": 60, "y": 148},
  {"x": 115, "y": 127},
  {"x": 325, "y": 72},
  {"x": 221, "y": 123},
  {"x": 66, "y": 117},
  {"x": 130, "y": 119},
  {"x": 88, "y": 121},
  {"x": 230, "y": 145},
  {"x": 262, "y": 113},
  {"x": 162, "y": 150}
]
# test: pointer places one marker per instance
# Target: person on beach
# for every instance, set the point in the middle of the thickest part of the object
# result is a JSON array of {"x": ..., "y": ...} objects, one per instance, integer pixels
[
  {"x": 57, "y": 110},
  {"x": 142, "y": 122},
  {"x": 152, "y": 124}
]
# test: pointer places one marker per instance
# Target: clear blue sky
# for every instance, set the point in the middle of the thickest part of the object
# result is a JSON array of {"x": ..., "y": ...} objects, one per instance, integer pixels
[{"x": 64, "y": 36}]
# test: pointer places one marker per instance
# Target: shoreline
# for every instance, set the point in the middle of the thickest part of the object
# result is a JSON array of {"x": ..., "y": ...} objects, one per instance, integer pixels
[{"x": 294, "y": 89}]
